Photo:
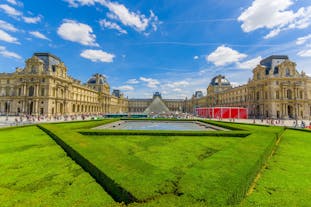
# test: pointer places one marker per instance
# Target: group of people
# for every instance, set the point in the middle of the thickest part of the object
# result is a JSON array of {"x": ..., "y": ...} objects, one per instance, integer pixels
[
  {"x": 302, "y": 124},
  {"x": 28, "y": 119}
]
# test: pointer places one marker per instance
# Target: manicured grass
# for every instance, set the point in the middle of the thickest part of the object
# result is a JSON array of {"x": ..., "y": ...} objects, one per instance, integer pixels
[
  {"x": 98, "y": 132},
  {"x": 287, "y": 179},
  {"x": 35, "y": 171},
  {"x": 210, "y": 170},
  {"x": 157, "y": 170},
  {"x": 147, "y": 166}
]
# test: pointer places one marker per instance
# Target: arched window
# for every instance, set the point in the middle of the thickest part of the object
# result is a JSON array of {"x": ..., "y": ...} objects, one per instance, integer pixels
[{"x": 31, "y": 90}]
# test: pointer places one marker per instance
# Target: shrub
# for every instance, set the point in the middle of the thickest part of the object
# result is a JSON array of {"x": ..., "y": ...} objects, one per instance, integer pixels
[{"x": 117, "y": 192}]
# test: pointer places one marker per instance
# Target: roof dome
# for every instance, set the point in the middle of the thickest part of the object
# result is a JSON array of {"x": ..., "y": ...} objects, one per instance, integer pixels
[
  {"x": 97, "y": 79},
  {"x": 220, "y": 80}
]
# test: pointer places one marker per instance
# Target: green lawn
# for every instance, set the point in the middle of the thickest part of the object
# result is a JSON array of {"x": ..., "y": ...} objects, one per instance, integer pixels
[
  {"x": 287, "y": 179},
  {"x": 209, "y": 170},
  {"x": 35, "y": 171},
  {"x": 171, "y": 170}
]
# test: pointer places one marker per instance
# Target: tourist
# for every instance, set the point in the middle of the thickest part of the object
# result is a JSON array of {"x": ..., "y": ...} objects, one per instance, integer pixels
[{"x": 303, "y": 125}]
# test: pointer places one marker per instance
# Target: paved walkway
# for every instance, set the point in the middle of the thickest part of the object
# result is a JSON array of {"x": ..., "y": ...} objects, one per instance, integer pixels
[
  {"x": 288, "y": 123},
  {"x": 6, "y": 121},
  {"x": 17, "y": 121}
]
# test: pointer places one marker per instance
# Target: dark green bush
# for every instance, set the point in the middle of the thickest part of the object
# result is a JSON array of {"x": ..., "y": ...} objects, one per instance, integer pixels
[
  {"x": 116, "y": 191},
  {"x": 96, "y": 132}
]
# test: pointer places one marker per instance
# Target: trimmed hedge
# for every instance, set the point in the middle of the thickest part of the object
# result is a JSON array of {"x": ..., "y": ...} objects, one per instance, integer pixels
[
  {"x": 222, "y": 124},
  {"x": 224, "y": 178},
  {"x": 118, "y": 193},
  {"x": 229, "y": 173},
  {"x": 96, "y": 132},
  {"x": 241, "y": 193},
  {"x": 74, "y": 125},
  {"x": 216, "y": 123}
]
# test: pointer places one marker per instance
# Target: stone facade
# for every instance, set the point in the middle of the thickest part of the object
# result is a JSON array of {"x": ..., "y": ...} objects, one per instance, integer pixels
[
  {"x": 276, "y": 90},
  {"x": 43, "y": 87}
]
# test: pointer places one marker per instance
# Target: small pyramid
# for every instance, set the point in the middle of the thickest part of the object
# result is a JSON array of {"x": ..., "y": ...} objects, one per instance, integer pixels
[{"x": 157, "y": 106}]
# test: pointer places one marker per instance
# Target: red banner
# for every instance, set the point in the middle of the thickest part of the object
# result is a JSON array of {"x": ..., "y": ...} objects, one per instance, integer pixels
[{"x": 222, "y": 112}]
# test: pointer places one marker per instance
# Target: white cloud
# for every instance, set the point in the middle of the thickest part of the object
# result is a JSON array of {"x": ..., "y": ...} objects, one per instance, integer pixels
[
  {"x": 10, "y": 10},
  {"x": 151, "y": 83},
  {"x": 111, "y": 25},
  {"x": 119, "y": 12},
  {"x": 38, "y": 35},
  {"x": 17, "y": 14},
  {"x": 14, "y": 2},
  {"x": 98, "y": 56},
  {"x": 135, "y": 20},
  {"x": 274, "y": 15},
  {"x": 302, "y": 40},
  {"x": 224, "y": 55},
  {"x": 7, "y": 26},
  {"x": 177, "y": 89},
  {"x": 75, "y": 3},
  {"x": 196, "y": 57},
  {"x": 4, "y": 52},
  {"x": 7, "y": 37},
  {"x": 249, "y": 64},
  {"x": 126, "y": 88},
  {"x": 132, "y": 81},
  {"x": 177, "y": 84},
  {"x": 32, "y": 20},
  {"x": 304, "y": 53},
  {"x": 77, "y": 32},
  {"x": 272, "y": 33}
]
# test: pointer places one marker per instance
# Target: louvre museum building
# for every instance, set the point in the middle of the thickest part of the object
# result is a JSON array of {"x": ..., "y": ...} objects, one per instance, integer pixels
[
  {"x": 276, "y": 90},
  {"x": 43, "y": 87}
]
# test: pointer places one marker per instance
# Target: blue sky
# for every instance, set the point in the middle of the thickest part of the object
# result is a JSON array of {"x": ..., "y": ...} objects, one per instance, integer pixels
[{"x": 174, "y": 47}]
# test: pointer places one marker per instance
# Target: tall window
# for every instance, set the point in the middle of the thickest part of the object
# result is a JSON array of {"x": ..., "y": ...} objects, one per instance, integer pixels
[
  {"x": 301, "y": 94},
  {"x": 31, "y": 91},
  {"x": 289, "y": 94},
  {"x": 42, "y": 91},
  {"x": 33, "y": 69},
  {"x": 277, "y": 95},
  {"x": 287, "y": 73},
  {"x": 257, "y": 95}
]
